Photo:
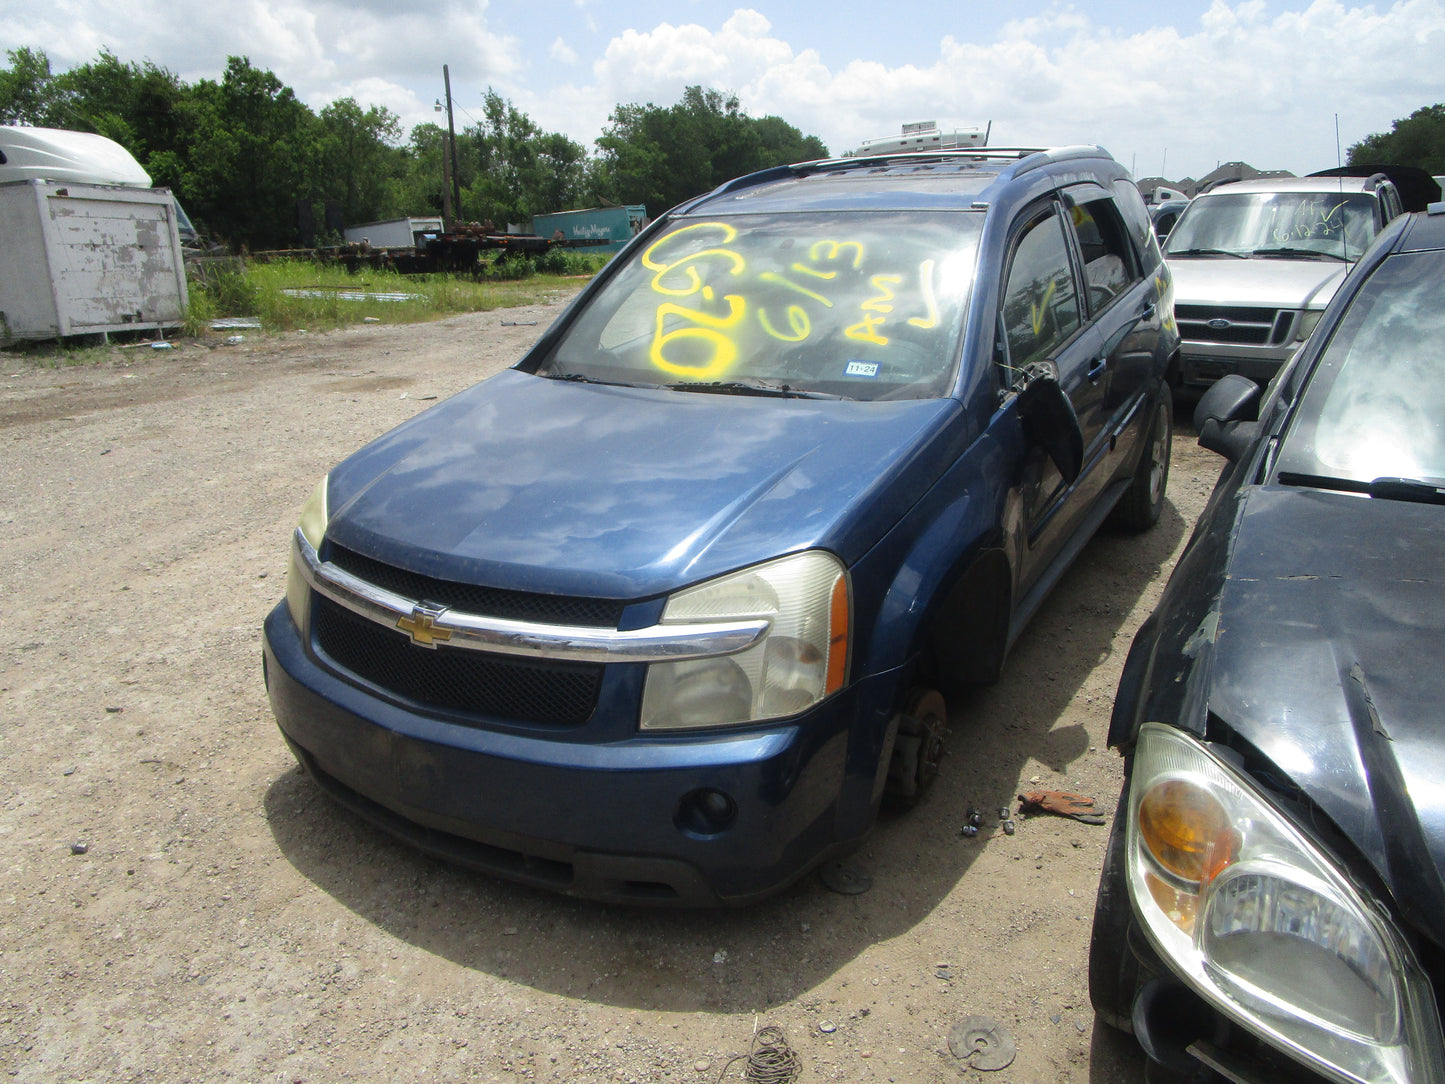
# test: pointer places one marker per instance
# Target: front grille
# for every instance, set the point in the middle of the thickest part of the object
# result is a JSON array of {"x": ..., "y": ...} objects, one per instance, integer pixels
[
  {"x": 472, "y": 598},
  {"x": 1248, "y": 326},
  {"x": 467, "y": 683}
]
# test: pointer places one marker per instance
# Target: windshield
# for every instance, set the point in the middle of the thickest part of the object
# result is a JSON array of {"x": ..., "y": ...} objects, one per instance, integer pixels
[
  {"x": 1375, "y": 406},
  {"x": 1319, "y": 225},
  {"x": 857, "y": 305}
]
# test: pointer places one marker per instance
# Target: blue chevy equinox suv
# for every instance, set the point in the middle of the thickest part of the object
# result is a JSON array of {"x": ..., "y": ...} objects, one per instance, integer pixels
[{"x": 663, "y": 613}]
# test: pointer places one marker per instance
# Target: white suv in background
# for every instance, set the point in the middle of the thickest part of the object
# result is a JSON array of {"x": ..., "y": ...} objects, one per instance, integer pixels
[{"x": 1256, "y": 262}]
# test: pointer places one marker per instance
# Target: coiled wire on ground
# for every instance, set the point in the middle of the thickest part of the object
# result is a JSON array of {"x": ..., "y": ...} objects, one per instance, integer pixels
[{"x": 770, "y": 1061}]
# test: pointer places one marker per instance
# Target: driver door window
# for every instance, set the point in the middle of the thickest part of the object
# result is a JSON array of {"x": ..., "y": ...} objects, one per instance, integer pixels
[{"x": 1041, "y": 305}]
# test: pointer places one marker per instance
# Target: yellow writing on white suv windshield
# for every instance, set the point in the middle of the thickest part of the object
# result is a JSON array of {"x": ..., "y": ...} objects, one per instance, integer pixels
[{"x": 742, "y": 293}]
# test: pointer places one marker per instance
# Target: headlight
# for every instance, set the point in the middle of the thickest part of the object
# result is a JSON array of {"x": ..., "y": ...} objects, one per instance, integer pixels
[
  {"x": 313, "y": 528},
  {"x": 1260, "y": 922},
  {"x": 1308, "y": 322},
  {"x": 802, "y": 657}
]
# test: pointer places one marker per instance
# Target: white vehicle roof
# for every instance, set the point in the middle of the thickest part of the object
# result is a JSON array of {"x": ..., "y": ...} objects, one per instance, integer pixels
[
  {"x": 54, "y": 154},
  {"x": 1297, "y": 184}
]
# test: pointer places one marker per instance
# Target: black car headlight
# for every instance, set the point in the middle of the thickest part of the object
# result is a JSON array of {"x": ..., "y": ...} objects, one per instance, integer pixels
[
  {"x": 799, "y": 660},
  {"x": 311, "y": 527},
  {"x": 1261, "y": 922}
]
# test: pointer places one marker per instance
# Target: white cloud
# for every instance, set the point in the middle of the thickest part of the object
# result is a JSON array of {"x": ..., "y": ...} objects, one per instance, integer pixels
[
  {"x": 1241, "y": 83},
  {"x": 562, "y": 52},
  {"x": 1238, "y": 80}
]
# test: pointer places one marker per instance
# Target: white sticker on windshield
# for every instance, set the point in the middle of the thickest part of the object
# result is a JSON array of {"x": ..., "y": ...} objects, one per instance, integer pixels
[{"x": 862, "y": 368}]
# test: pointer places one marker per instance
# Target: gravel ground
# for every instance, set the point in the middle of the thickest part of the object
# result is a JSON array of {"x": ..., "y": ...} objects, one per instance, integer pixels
[{"x": 180, "y": 904}]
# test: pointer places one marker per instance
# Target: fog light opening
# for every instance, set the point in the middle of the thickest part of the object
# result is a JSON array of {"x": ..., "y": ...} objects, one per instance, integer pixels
[
  {"x": 705, "y": 813},
  {"x": 1168, "y": 1017}
]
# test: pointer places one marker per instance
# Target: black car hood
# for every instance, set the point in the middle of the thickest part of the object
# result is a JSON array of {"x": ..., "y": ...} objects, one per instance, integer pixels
[{"x": 1327, "y": 659}]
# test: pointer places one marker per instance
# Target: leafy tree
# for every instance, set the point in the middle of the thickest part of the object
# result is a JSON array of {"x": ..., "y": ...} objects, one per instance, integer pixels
[
  {"x": 243, "y": 154},
  {"x": 137, "y": 105},
  {"x": 1418, "y": 140},
  {"x": 782, "y": 143},
  {"x": 357, "y": 157},
  {"x": 418, "y": 186},
  {"x": 26, "y": 91},
  {"x": 253, "y": 155},
  {"x": 512, "y": 170},
  {"x": 660, "y": 157}
]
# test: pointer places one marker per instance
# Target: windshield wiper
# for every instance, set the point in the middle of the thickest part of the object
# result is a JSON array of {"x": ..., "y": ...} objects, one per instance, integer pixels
[
  {"x": 1408, "y": 489},
  {"x": 1303, "y": 253},
  {"x": 1206, "y": 252},
  {"x": 1389, "y": 489},
  {"x": 750, "y": 387},
  {"x": 582, "y": 378}
]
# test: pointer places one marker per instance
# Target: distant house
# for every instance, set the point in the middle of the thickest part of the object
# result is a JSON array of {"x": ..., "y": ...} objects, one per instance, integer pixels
[{"x": 1229, "y": 171}]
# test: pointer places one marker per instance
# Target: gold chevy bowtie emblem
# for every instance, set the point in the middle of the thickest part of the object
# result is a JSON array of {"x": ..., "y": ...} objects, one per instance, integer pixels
[{"x": 422, "y": 627}]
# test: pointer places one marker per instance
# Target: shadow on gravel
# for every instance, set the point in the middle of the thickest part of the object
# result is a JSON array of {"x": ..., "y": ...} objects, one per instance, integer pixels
[{"x": 748, "y": 960}]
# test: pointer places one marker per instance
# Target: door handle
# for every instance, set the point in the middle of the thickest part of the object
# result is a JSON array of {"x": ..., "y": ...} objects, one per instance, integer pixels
[
  {"x": 1148, "y": 311},
  {"x": 1096, "y": 370}
]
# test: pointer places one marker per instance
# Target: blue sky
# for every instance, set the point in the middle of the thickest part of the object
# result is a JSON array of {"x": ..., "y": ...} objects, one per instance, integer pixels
[{"x": 1169, "y": 87}]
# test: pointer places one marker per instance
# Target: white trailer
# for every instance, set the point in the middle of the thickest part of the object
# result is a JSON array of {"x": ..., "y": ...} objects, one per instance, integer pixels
[
  {"x": 393, "y": 233},
  {"x": 79, "y": 259}
]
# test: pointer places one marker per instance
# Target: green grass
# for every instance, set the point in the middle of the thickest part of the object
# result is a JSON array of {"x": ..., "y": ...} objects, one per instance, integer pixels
[{"x": 290, "y": 294}]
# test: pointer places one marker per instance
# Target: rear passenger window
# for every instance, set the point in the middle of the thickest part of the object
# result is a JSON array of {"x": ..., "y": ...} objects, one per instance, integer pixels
[
  {"x": 1131, "y": 209},
  {"x": 1040, "y": 303},
  {"x": 1109, "y": 263}
]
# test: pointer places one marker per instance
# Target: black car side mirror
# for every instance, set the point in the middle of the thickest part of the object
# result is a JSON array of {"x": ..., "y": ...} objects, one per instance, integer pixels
[
  {"x": 1226, "y": 415},
  {"x": 1049, "y": 419}
]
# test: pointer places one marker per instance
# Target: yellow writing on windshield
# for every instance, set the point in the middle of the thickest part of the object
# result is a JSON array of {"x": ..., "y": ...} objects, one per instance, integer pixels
[
  {"x": 688, "y": 261},
  {"x": 720, "y": 349},
  {"x": 828, "y": 289},
  {"x": 925, "y": 291}
]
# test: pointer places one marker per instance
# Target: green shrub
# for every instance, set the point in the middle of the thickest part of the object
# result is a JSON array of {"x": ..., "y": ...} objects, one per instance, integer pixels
[{"x": 552, "y": 262}]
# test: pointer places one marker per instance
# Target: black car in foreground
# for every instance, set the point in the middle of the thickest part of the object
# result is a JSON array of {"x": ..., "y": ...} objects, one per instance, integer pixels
[{"x": 1271, "y": 906}]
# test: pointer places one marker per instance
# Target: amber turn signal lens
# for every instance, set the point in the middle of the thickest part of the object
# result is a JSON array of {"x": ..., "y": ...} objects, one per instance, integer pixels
[
  {"x": 1186, "y": 830},
  {"x": 839, "y": 611}
]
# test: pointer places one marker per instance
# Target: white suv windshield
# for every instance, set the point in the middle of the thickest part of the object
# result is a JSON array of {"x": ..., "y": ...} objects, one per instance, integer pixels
[
  {"x": 1322, "y": 225},
  {"x": 858, "y": 305}
]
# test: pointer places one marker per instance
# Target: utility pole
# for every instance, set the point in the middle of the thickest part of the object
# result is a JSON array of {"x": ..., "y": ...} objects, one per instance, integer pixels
[{"x": 452, "y": 145}]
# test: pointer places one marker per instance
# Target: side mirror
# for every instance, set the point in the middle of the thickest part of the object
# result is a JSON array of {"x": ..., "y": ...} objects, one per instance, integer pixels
[
  {"x": 1049, "y": 419},
  {"x": 1226, "y": 414}
]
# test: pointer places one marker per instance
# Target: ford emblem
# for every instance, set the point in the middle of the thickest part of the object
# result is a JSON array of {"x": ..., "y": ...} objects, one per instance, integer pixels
[{"x": 1219, "y": 323}]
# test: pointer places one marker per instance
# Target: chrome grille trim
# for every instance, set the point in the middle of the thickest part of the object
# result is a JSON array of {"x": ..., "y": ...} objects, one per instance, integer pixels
[{"x": 502, "y": 636}]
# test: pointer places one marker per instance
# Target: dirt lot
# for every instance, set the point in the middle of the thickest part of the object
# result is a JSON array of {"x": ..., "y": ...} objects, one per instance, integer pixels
[{"x": 179, "y": 904}]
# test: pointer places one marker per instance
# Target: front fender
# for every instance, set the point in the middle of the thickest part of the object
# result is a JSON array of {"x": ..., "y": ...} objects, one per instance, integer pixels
[{"x": 906, "y": 578}]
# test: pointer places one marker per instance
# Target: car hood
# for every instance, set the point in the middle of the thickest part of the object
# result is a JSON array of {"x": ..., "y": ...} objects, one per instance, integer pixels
[
  {"x": 614, "y": 492},
  {"x": 1279, "y": 284},
  {"x": 1327, "y": 660}
]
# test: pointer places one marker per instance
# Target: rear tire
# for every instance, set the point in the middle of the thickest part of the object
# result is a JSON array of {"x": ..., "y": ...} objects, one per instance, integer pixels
[{"x": 1143, "y": 502}]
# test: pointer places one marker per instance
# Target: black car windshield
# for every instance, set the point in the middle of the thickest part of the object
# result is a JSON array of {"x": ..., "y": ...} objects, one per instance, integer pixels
[
  {"x": 1375, "y": 406},
  {"x": 862, "y": 305},
  {"x": 1303, "y": 225}
]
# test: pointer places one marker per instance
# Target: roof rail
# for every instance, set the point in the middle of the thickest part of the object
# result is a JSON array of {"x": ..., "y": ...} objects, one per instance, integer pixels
[
  {"x": 948, "y": 154},
  {"x": 1029, "y": 158},
  {"x": 1063, "y": 154},
  {"x": 1033, "y": 157}
]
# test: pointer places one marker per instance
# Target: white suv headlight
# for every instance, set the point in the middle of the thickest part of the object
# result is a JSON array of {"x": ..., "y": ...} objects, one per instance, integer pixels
[
  {"x": 799, "y": 660},
  {"x": 1307, "y": 324},
  {"x": 1262, "y": 924}
]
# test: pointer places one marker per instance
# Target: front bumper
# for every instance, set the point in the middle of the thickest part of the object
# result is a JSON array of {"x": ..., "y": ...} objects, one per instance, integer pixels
[{"x": 609, "y": 819}]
